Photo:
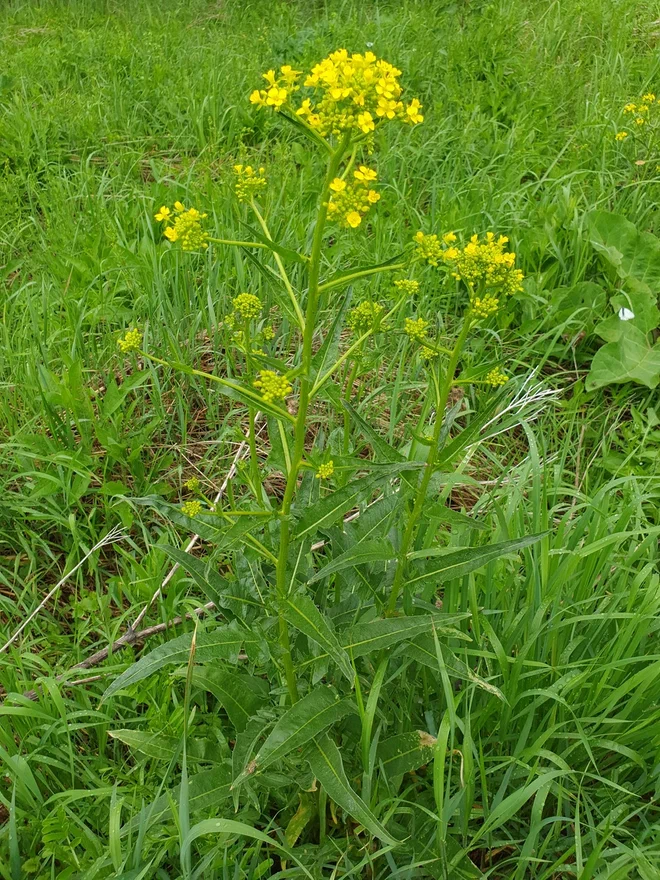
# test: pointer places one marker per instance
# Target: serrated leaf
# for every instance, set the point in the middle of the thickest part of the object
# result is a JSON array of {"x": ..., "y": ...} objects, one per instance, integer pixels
[
  {"x": 302, "y": 613},
  {"x": 376, "y": 635},
  {"x": 359, "y": 554},
  {"x": 461, "y": 562},
  {"x": 306, "y": 719},
  {"x": 325, "y": 760},
  {"x": 405, "y": 752},
  {"x": 221, "y": 643}
]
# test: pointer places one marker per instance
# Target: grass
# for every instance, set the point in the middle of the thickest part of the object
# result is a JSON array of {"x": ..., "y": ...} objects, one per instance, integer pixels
[{"x": 107, "y": 111}]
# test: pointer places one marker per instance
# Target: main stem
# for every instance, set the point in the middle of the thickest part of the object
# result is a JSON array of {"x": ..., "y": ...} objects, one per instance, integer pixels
[
  {"x": 422, "y": 489},
  {"x": 300, "y": 426}
]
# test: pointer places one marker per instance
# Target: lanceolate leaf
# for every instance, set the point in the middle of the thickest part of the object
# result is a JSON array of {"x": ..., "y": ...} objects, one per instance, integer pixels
[
  {"x": 462, "y": 562},
  {"x": 236, "y": 693},
  {"x": 327, "y": 766},
  {"x": 217, "y": 588},
  {"x": 333, "y": 506},
  {"x": 306, "y": 719},
  {"x": 405, "y": 752},
  {"x": 205, "y": 791},
  {"x": 366, "y": 638},
  {"x": 224, "y": 643},
  {"x": 423, "y": 650},
  {"x": 162, "y": 747},
  {"x": 302, "y": 613},
  {"x": 359, "y": 554}
]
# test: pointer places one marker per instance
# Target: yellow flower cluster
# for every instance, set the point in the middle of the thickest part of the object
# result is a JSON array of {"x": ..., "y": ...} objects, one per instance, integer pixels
[
  {"x": 272, "y": 386},
  {"x": 363, "y": 317},
  {"x": 407, "y": 285},
  {"x": 621, "y": 135},
  {"x": 484, "y": 306},
  {"x": 351, "y": 93},
  {"x": 191, "y": 508},
  {"x": 192, "y": 485},
  {"x": 278, "y": 88},
  {"x": 268, "y": 332},
  {"x": 131, "y": 342},
  {"x": 187, "y": 229},
  {"x": 247, "y": 306},
  {"x": 496, "y": 378},
  {"x": 431, "y": 250},
  {"x": 326, "y": 470},
  {"x": 248, "y": 182},
  {"x": 646, "y": 111},
  {"x": 486, "y": 264},
  {"x": 349, "y": 202},
  {"x": 415, "y": 328}
]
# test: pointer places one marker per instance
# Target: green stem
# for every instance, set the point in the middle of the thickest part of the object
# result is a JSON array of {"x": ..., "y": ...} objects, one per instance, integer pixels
[
  {"x": 300, "y": 426},
  {"x": 422, "y": 489},
  {"x": 252, "y": 433},
  {"x": 280, "y": 265},
  {"x": 348, "y": 391},
  {"x": 253, "y": 244},
  {"x": 362, "y": 273}
]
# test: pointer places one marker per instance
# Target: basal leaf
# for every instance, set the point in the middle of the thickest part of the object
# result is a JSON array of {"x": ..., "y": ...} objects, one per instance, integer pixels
[
  {"x": 405, "y": 752},
  {"x": 635, "y": 255},
  {"x": 325, "y": 760},
  {"x": 367, "y": 638},
  {"x": 162, "y": 747},
  {"x": 239, "y": 694},
  {"x": 630, "y": 359}
]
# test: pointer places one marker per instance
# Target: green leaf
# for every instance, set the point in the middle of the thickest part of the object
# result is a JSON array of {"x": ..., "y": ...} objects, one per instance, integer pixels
[
  {"x": 405, "y": 752},
  {"x": 162, "y": 747},
  {"x": 376, "y": 635},
  {"x": 208, "y": 579},
  {"x": 327, "y": 766},
  {"x": 231, "y": 827},
  {"x": 205, "y": 791},
  {"x": 302, "y": 613},
  {"x": 585, "y": 301},
  {"x": 629, "y": 359},
  {"x": 301, "y": 723},
  {"x": 381, "y": 447},
  {"x": 423, "y": 650},
  {"x": 448, "y": 515},
  {"x": 461, "y": 562},
  {"x": 367, "y": 551},
  {"x": 240, "y": 695},
  {"x": 284, "y": 252},
  {"x": 641, "y": 312},
  {"x": 345, "y": 275},
  {"x": 221, "y": 643},
  {"x": 512, "y": 804},
  {"x": 335, "y": 505},
  {"x": 635, "y": 255}
]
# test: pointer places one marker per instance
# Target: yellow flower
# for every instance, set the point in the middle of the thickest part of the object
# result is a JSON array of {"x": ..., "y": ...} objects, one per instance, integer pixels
[
  {"x": 496, "y": 378},
  {"x": 325, "y": 471},
  {"x": 413, "y": 116},
  {"x": 484, "y": 307},
  {"x": 484, "y": 263},
  {"x": 649, "y": 98},
  {"x": 639, "y": 120},
  {"x": 630, "y": 108},
  {"x": 248, "y": 182},
  {"x": 415, "y": 328},
  {"x": 131, "y": 342},
  {"x": 373, "y": 196},
  {"x": 163, "y": 214},
  {"x": 621, "y": 135},
  {"x": 247, "y": 306},
  {"x": 428, "y": 248},
  {"x": 366, "y": 122},
  {"x": 187, "y": 228},
  {"x": 191, "y": 508},
  {"x": 365, "y": 174},
  {"x": 192, "y": 484},
  {"x": 338, "y": 185},
  {"x": 272, "y": 386},
  {"x": 364, "y": 317},
  {"x": 353, "y": 219},
  {"x": 407, "y": 285},
  {"x": 449, "y": 237},
  {"x": 351, "y": 93}
]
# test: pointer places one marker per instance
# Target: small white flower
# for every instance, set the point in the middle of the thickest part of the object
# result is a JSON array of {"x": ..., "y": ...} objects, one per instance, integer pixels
[
  {"x": 370, "y": 45},
  {"x": 625, "y": 314}
]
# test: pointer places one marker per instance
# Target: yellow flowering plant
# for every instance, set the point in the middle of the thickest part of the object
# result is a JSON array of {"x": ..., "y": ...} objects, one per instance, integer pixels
[{"x": 336, "y": 567}]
